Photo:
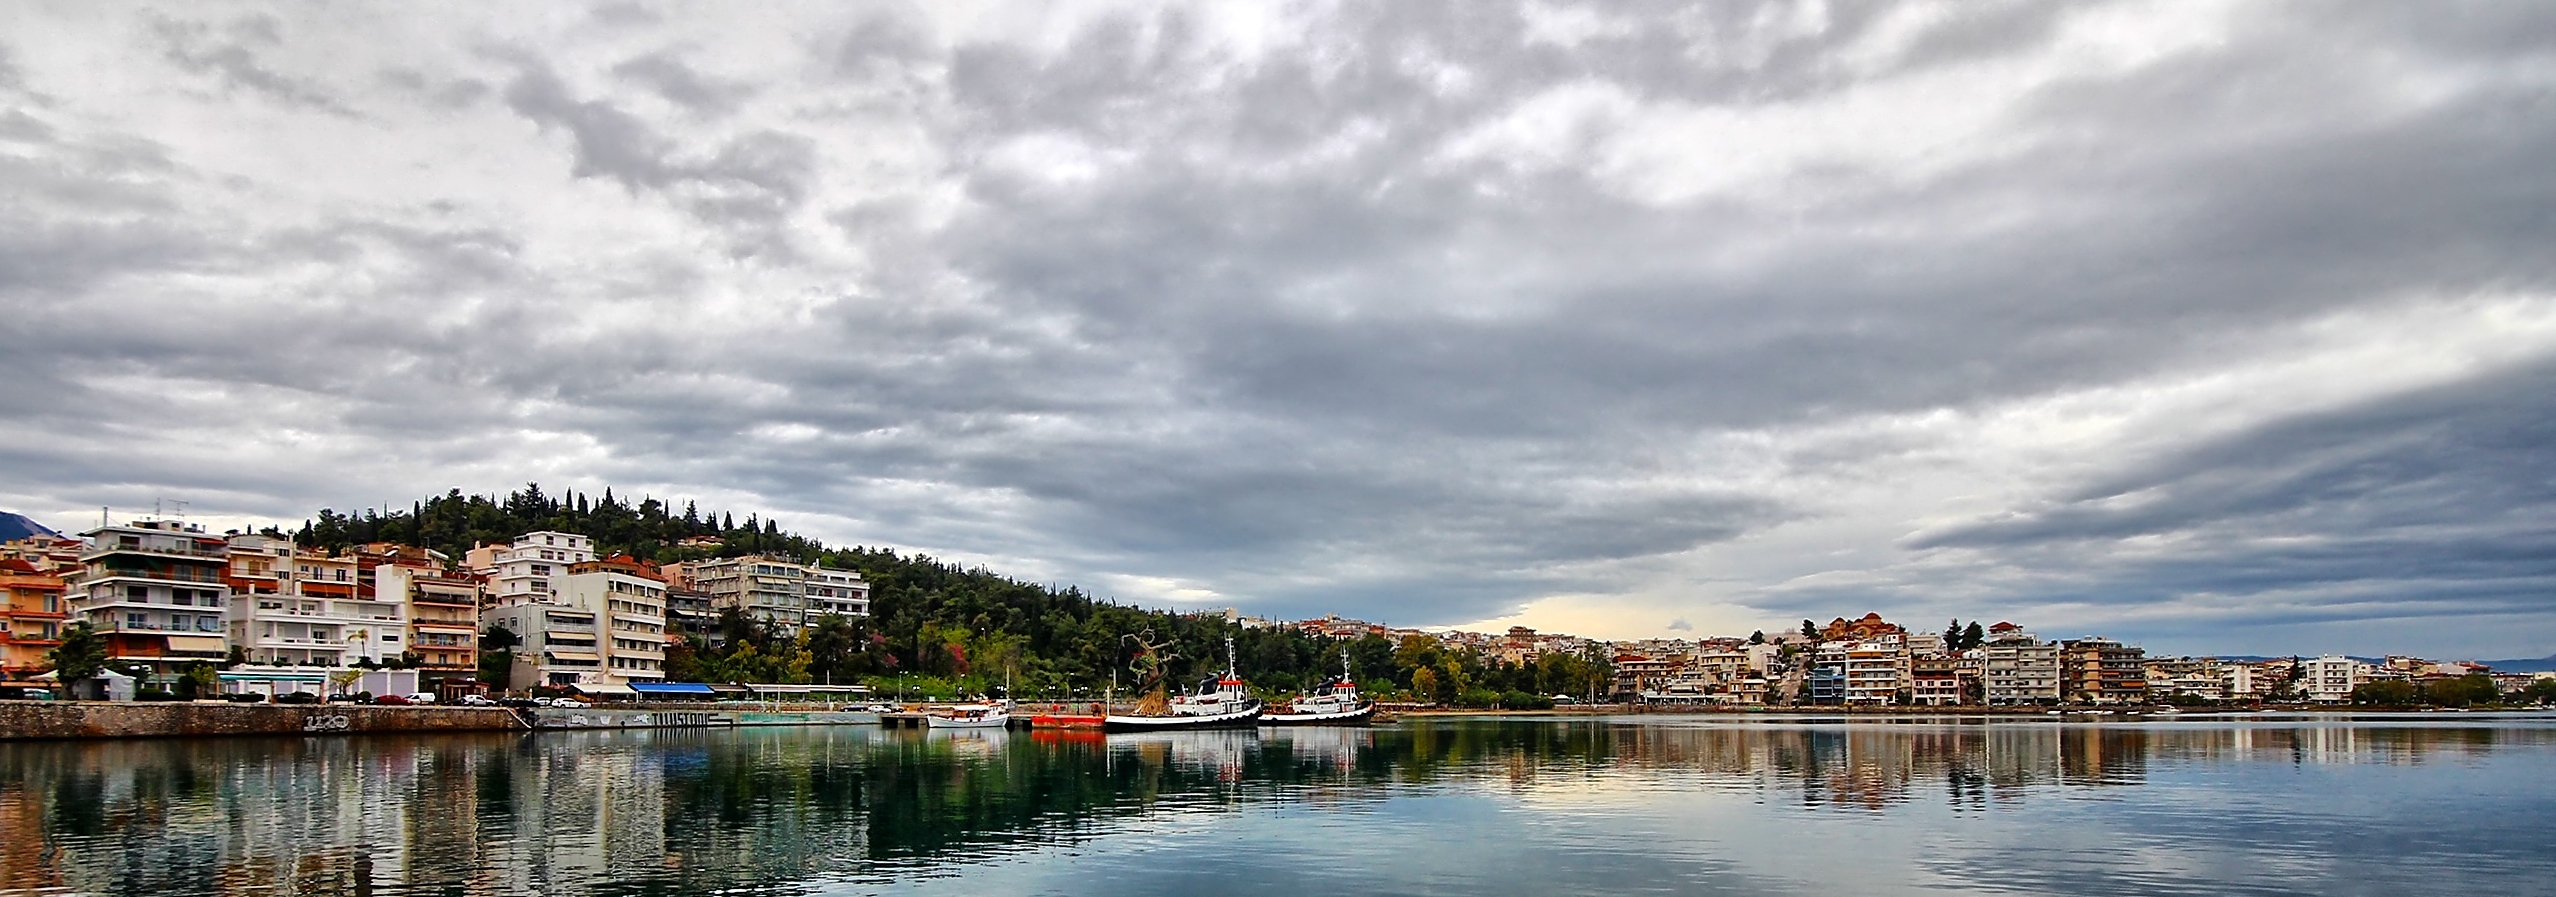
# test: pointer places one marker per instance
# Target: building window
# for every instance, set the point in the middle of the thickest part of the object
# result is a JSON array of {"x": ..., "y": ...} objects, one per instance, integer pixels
[
  {"x": 136, "y": 619},
  {"x": 137, "y": 594}
]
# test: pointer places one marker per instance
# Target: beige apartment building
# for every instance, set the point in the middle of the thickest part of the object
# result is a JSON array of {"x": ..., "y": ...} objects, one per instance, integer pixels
[{"x": 2016, "y": 668}]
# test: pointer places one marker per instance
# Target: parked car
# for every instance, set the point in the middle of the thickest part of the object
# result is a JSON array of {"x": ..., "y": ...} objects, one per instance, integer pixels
[
  {"x": 297, "y": 697},
  {"x": 477, "y": 701},
  {"x": 421, "y": 698},
  {"x": 392, "y": 700},
  {"x": 567, "y": 702},
  {"x": 246, "y": 697},
  {"x": 345, "y": 699},
  {"x": 522, "y": 702}
]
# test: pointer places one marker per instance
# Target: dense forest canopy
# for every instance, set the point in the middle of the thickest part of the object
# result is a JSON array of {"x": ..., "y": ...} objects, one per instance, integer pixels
[{"x": 940, "y": 628}]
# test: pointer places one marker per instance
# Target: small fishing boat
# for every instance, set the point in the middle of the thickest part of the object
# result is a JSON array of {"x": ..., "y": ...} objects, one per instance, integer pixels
[
  {"x": 1335, "y": 703},
  {"x": 988, "y": 715}
]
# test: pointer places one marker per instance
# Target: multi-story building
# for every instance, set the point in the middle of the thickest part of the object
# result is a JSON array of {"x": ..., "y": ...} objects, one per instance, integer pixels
[
  {"x": 1636, "y": 674},
  {"x": 839, "y": 593},
  {"x": 46, "y": 552},
  {"x": 1938, "y": 680},
  {"x": 297, "y": 607},
  {"x": 2099, "y": 670},
  {"x": 769, "y": 590},
  {"x": 596, "y": 626},
  {"x": 32, "y": 614},
  {"x": 528, "y": 568},
  {"x": 630, "y": 602},
  {"x": 2240, "y": 681},
  {"x": 2187, "y": 677},
  {"x": 781, "y": 593},
  {"x": 689, "y": 616},
  {"x": 443, "y": 616},
  {"x": 2330, "y": 679},
  {"x": 155, "y": 591},
  {"x": 1877, "y": 672},
  {"x": 2016, "y": 668},
  {"x": 1826, "y": 682}
]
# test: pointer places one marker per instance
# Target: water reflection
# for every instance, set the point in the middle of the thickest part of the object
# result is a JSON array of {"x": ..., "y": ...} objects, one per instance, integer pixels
[{"x": 861, "y": 809}]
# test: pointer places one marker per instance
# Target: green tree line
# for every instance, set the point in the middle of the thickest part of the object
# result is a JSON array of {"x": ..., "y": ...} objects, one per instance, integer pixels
[{"x": 944, "y": 628}]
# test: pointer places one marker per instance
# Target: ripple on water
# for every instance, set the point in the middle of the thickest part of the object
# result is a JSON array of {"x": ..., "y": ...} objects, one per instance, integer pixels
[{"x": 1486, "y": 807}]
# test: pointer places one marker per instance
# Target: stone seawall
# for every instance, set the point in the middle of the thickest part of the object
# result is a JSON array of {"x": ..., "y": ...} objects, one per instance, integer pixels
[{"x": 21, "y": 720}]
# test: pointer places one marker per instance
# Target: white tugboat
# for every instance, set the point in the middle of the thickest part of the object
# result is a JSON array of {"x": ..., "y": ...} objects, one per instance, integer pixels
[
  {"x": 1336, "y": 703},
  {"x": 1220, "y": 702}
]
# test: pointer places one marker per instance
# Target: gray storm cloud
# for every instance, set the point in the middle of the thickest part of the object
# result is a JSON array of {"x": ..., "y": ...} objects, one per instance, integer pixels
[{"x": 2222, "y": 326}]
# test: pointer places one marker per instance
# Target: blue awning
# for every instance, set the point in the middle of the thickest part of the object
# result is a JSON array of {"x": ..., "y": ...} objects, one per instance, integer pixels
[{"x": 670, "y": 688}]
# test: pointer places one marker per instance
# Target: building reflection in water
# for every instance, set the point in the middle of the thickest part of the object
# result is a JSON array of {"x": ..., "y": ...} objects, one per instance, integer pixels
[{"x": 786, "y": 810}]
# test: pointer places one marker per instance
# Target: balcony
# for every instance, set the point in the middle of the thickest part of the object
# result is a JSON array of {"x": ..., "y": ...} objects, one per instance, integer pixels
[
  {"x": 164, "y": 574},
  {"x": 130, "y": 626},
  {"x": 173, "y": 550}
]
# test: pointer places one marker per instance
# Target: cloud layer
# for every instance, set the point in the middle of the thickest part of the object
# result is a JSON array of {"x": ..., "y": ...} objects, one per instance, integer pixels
[{"x": 2223, "y": 326}]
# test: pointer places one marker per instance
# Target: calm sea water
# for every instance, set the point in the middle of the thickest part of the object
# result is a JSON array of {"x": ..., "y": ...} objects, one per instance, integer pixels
[{"x": 2431, "y": 804}]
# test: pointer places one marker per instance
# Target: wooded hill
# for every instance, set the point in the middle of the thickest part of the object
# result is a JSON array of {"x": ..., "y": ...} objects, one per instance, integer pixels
[{"x": 939, "y": 628}]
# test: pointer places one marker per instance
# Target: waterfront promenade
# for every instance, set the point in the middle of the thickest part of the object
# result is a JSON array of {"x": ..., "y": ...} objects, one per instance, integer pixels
[{"x": 40, "y": 720}]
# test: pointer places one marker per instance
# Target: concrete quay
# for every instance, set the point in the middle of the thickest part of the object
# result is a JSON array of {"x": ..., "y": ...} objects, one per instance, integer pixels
[{"x": 35, "y": 720}]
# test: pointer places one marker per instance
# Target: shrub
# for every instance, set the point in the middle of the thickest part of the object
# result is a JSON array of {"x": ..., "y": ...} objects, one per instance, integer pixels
[
  {"x": 1518, "y": 700},
  {"x": 2462, "y": 691},
  {"x": 1478, "y": 699},
  {"x": 2387, "y": 693}
]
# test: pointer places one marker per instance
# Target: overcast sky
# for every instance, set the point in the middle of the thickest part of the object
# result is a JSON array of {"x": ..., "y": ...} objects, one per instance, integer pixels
[{"x": 2219, "y": 327}]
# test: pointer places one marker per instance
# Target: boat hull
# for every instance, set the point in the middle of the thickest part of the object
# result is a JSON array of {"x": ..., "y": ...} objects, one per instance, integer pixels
[
  {"x": 1063, "y": 721},
  {"x": 1358, "y": 717},
  {"x": 988, "y": 721},
  {"x": 1239, "y": 719}
]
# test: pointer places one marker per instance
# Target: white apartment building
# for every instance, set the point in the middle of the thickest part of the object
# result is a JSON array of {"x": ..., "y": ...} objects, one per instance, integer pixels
[
  {"x": 295, "y": 608},
  {"x": 2331, "y": 678},
  {"x": 2016, "y": 668},
  {"x": 630, "y": 604},
  {"x": 154, "y": 589},
  {"x": 531, "y": 566},
  {"x": 592, "y": 625},
  {"x": 838, "y": 592}
]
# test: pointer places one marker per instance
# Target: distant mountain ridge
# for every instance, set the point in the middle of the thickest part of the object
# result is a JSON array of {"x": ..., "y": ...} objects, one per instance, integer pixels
[
  {"x": 14, "y": 526},
  {"x": 2545, "y": 664}
]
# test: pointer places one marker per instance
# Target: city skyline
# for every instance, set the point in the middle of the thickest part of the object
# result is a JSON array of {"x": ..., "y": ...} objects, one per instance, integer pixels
[{"x": 2220, "y": 328}]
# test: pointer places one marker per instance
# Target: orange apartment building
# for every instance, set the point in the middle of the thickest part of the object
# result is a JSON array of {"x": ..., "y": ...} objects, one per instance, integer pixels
[
  {"x": 2102, "y": 671},
  {"x": 443, "y": 608},
  {"x": 33, "y": 611}
]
